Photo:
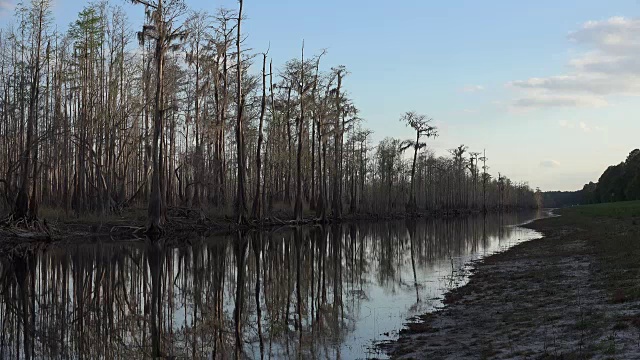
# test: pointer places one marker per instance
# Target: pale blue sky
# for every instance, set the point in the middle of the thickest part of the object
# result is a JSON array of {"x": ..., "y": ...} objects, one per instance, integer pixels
[{"x": 547, "y": 87}]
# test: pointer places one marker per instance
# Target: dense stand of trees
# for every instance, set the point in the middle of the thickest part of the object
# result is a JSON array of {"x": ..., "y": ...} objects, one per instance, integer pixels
[
  {"x": 96, "y": 119},
  {"x": 299, "y": 293},
  {"x": 619, "y": 182}
]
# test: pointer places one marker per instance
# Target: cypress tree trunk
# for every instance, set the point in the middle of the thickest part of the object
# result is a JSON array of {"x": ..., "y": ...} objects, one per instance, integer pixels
[
  {"x": 22, "y": 209},
  {"x": 337, "y": 201},
  {"x": 241, "y": 201},
  {"x": 257, "y": 208},
  {"x": 298, "y": 206},
  {"x": 156, "y": 218}
]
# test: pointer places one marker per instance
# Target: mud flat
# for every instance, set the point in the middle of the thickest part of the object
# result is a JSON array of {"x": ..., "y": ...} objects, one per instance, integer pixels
[{"x": 573, "y": 294}]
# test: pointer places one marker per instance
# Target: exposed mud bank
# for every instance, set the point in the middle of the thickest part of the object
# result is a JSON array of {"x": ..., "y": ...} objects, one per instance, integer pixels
[{"x": 564, "y": 296}]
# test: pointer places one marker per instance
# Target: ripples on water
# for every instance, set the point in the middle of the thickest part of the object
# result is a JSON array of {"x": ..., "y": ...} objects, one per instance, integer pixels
[{"x": 309, "y": 292}]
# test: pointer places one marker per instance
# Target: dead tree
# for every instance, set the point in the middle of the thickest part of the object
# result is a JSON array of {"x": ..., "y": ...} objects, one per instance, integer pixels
[
  {"x": 423, "y": 128},
  {"x": 160, "y": 29}
]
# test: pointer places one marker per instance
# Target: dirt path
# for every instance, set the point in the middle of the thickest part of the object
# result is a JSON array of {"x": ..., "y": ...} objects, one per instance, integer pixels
[{"x": 543, "y": 299}]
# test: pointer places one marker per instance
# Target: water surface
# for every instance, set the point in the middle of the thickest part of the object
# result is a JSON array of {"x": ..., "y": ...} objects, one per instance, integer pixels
[{"x": 308, "y": 293}]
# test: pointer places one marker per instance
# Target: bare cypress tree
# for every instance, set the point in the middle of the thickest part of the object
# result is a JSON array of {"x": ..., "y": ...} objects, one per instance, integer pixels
[
  {"x": 315, "y": 113},
  {"x": 423, "y": 128},
  {"x": 197, "y": 27},
  {"x": 485, "y": 179},
  {"x": 22, "y": 208},
  {"x": 337, "y": 137},
  {"x": 458, "y": 159},
  {"x": 473, "y": 168},
  {"x": 257, "y": 204},
  {"x": 300, "y": 126},
  {"x": 160, "y": 29},
  {"x": 241, "y": 200}
]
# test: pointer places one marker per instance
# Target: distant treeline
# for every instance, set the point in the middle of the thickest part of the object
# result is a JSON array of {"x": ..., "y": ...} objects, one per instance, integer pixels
[
  {"x": 554, "y": 199},
  {"x": 618, "y": 183}
]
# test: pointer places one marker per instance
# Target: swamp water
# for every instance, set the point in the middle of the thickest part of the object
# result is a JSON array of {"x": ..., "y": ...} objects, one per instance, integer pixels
[{"x": 308, "y": 293}]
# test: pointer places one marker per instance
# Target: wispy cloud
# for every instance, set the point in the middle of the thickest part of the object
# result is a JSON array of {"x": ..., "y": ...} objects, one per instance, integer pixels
[
  {"x": 581, "y": 125},
  {"x": 540, "y": 100},
  {"x": 610, "y": 67},
  {"x": 549, "y": 163},
  {"x": 472, "y": 88}
]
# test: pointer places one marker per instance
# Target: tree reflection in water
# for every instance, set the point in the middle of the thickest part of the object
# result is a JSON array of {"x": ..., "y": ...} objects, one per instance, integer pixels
[{"x": 307, "y": 292}]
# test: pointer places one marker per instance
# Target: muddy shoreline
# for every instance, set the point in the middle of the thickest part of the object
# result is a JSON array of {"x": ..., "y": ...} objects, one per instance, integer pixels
[{"x": 550, "y": 298}]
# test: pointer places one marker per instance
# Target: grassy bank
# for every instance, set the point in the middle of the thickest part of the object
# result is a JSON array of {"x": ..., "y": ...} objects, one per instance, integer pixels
[
  {"x": 613, "y": 231},
  {"x": 574, "y": 294}
]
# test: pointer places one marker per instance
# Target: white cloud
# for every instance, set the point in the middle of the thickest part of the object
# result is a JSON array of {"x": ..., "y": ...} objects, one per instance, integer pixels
[
  {"x": 609, "y": 67},
  {"x": 549, "y": 163},
  {"x": 472, "y": 88}
]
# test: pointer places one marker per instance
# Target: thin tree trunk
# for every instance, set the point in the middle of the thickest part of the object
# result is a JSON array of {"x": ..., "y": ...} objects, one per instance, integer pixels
[
  {"x": 337, "y": 201},
  {"x": 412, "y": 194},
  {"x": 298, "y": 207},
  {"x": 22, "y": 208},
  {"x": 156, "y": 213},
  {"x": 241, "y": 202},
  {"x": 257, "y": 208}
]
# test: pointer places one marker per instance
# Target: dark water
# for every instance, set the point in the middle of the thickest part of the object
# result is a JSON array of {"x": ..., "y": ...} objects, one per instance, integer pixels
[{"x": 311, "y": 292}]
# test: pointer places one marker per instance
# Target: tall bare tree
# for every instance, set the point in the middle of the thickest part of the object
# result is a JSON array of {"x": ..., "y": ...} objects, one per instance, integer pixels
[
  {"x": 423, "y": 128},
  {"x": 257, "y": 200},
  {"x": 241, "y": 196},
  {"x": 26, "y": 208},
  {"x": 161, "y": 30}
]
